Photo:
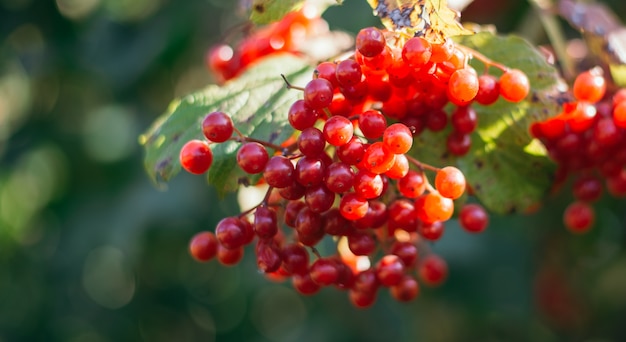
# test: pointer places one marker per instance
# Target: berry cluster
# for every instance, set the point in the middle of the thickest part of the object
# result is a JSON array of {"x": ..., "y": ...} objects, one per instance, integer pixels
[
  {"x": 226, "y": 62},
  {"x": 348, "y": 174},
  {"x": 588, "y": 142}
]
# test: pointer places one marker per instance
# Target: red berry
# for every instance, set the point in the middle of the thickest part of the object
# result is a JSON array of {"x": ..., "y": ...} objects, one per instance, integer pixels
[
  {"x": 196, "y": 157},
  {"x": 579, "y": 217},
  {"x": 514, "y": 85},
  {"x": 217, "y": 127},
  {"x": 433, "y": 270},
  {"x": 473, "y": 218},
  {"x": 203, "y": 246}
]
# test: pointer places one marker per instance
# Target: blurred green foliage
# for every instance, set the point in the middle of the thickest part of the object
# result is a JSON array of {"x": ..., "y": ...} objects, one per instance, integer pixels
[{"x": 91, "y": 251}]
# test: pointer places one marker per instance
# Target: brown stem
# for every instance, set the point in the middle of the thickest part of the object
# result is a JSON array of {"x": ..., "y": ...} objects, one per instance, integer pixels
[
  {"x": 421, "y": 165},
  {"x": 289, "y": 85},
  {"x": 487, "y": 61}
]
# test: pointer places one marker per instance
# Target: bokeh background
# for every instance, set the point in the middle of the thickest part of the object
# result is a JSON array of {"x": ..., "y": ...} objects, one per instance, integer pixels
[{"x": 90, "y": 250}]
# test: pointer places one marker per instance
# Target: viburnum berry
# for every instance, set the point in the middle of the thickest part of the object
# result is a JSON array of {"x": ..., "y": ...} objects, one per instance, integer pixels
[
  {"x": 406, "y": 290},
  {"x": 416, "y": 52},
  {"x": 450, "y": 182},
  {"x": 196, "y": 157},
  {"x": 590, "y": 85},
  {"x": 433, "y": 270},
  {"x": 473, "y": 218},
  {"x": 318, "y": 93},
  {"x": 514, "y": 85},
  {"x": 398, "y": 138},
  {"x": 579, "y": 217},
  {"x": 370, "y": 42},
  {"x": 463, "y": 86},
  {"x": 203, "y": 246},
  {"x": 217, "y": 127},
  {"x": 338, "y": 130},
  {"x": 252, "y": 157}
]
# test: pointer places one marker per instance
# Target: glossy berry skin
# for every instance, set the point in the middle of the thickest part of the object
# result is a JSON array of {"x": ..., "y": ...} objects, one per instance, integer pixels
[
  {"x": 353, "y": 207},
  {"x": 398, "y": 138},
  {"x": 433, "y": 270},
  {"x": 450, "y": 182},
  {"x": 514, "y": 85},
  {"x": 217, "y": 127},
  {"x": 579, "y": 217},
  {"x": 378, "y": 158},
  {"x": 304, "y": 284},
  {"x": 488, "y": 90},
  {"x": 196, "y": 157},
  {"x": 406, "y": 290},
  {"x": 389, "y": 270},
  {"x": 252, "y": 157},
  {"x": 348, "y": 73},
  {"x": 301, "y": 116},
  {"x": 416, "y": 52},
  {"x": 338, "y": 130},
  {"x": 407, "y": 252},
  {"x": 434, "y": 207},
  {"x": 473, "y": 218},
  {"x": 318, "y": 93},
  {"x": 339, "y": 177},
  {"x": 464, "y": 119},
  {"x": 361, "y": 243},
  {"x": 463, "y": 86},
  {"x": 370, "y": 42},
  {"x": 295, "y": 259},
  {"x": 311, "y": 142},
  {"x": 324, "y": 272},
  {"x": 203, "y": 246},
  {"x": 229, "y": 257},
  {"x": 265, "y": 222},
  {"x": 230, "y": 233},
  {"x": 590, "y": 86},
  {"x": 279, "y": 172},
  {"x": 372, "y": 123}
]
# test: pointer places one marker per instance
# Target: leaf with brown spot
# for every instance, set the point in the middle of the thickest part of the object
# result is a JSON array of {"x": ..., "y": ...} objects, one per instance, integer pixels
[
  {"x": 268, "y": 11},
  {"x": 258, "y": 103},
  {"x": 507, "y": 169}
]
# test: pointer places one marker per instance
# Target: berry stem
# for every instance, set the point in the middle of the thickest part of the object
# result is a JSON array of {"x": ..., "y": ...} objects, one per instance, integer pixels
[
  {"x": 316, "y": 252},
  {"x": 289, "y": 85},
  {"x": 243, "y": 138},
  {"x": 421, "y": 165},
  {"x": 487, "y": 61}
]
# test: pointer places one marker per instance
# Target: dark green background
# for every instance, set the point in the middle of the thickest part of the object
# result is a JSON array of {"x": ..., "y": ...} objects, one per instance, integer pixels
[{"x": 90, "y": 250}]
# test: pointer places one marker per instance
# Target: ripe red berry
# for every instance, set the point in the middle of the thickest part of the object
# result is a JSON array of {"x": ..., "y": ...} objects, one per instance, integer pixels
[
  {"x": 370, "y": 42},
  {"x": 590, "y": 85},
  {"x": 398, "y": 138},
  {"x": 463, "y": 86},
  {"x": 433, "y": 270},
  {"x": 389, "y": 270},
  {"x": 203, "y": 246},
  {"x": 252, "y": 157},
  {"x": 196, "y": 157},
  {"x": 338, "y": 130},
  {"x": 579, "y": 217},
  {"x": 416, "y": 52},
  {"x": 450, "y": 182},
  {"x": 318, "y": 93},
  {"x": 279, "y": 172},
  {"x": 514, "y": 85},
  {"x": 217, "y": 127},
  {"x": 473, "y": 218}
]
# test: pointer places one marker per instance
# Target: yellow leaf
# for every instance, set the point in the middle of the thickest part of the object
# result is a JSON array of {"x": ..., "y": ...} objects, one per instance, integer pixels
[{"x": 431, "y": 19}]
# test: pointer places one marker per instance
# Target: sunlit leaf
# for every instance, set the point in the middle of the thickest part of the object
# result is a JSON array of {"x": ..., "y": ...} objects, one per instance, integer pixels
[
  {"x": 267, "y": 11},
  {"x": 431, "y": 19},
  {"x": 258, "y": 103}
]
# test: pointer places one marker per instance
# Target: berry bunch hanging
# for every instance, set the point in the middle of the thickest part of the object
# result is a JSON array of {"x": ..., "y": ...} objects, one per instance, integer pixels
[
  {"x": 588, "y": 142},
  {"x": 349, "y": 177}
]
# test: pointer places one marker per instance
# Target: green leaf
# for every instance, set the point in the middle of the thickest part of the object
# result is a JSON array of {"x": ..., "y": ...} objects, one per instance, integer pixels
[
  {"x": 267, "y": 11},
  {"x": 508, "y": 170},
  {"x": 257, "y": 101}
]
